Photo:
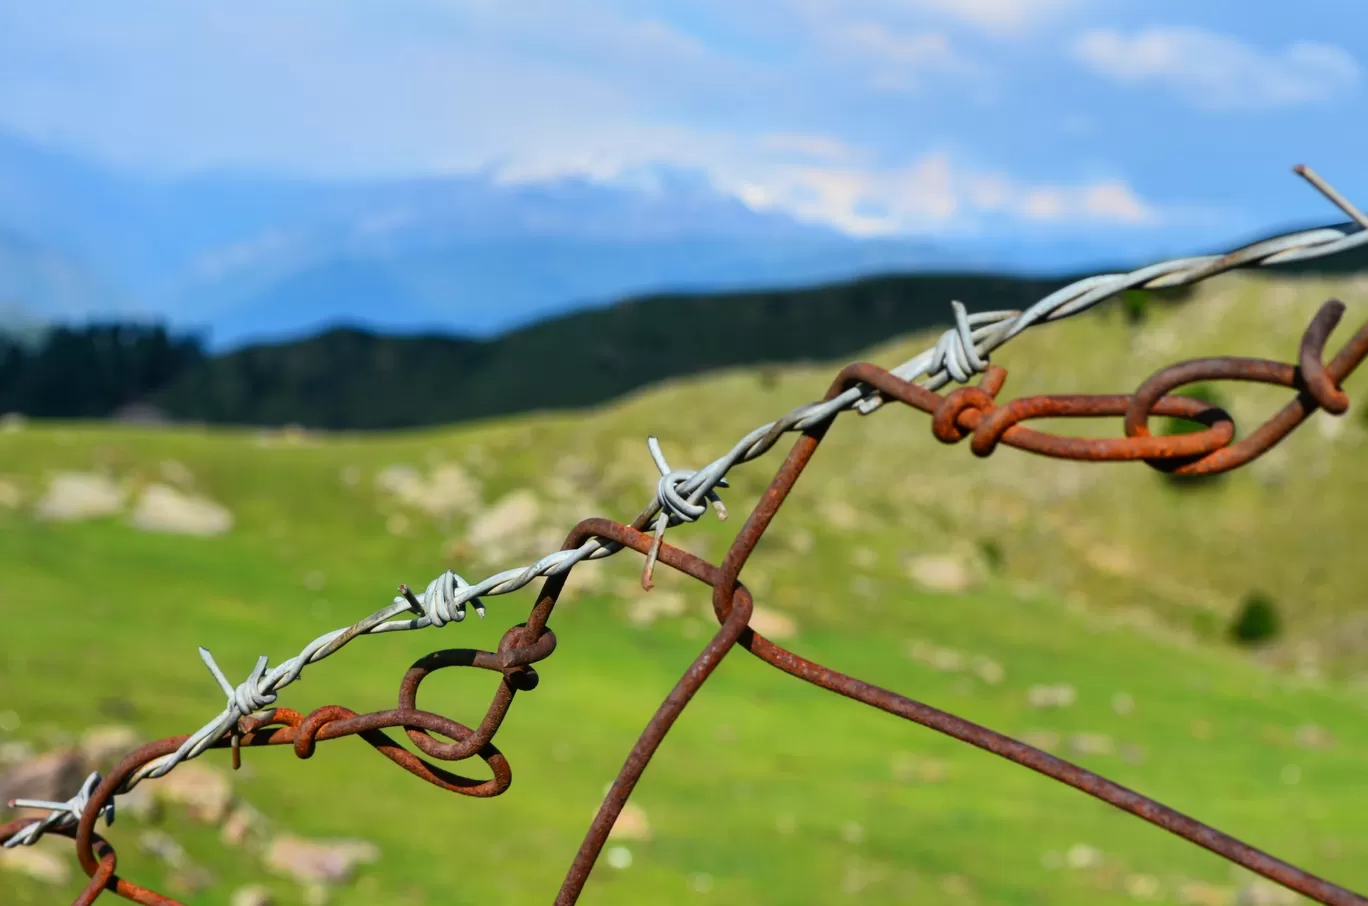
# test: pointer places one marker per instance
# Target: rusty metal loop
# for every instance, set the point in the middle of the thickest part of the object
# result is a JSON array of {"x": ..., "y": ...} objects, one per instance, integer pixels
[
  {"x": 1271, "y": 432},
  {"x": 108, "y": 859},
  {"x": 1003, "y": 424},
  {"x": 283, "y": 726},
  {"x": 945, "y": 422},
  {"x": 1313, "y": 374}
]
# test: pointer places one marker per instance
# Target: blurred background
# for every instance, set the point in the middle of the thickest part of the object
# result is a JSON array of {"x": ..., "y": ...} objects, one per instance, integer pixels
[{"x": 301, "y": 301}]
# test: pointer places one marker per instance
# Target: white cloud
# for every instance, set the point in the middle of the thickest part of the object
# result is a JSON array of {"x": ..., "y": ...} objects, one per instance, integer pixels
[
  {"x": 822, "y": 147},
  {"x": 997, "y": 15},
  {"x": 930, "y": 193},
  {"x": 1215, "y": 71},
  {"x": 898, "y": 59},
  {"x": 914, "y": 49},
  {"x": 1000, "y": 17}
]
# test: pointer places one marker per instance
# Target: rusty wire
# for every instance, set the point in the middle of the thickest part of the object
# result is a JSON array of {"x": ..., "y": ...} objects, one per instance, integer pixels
[
  {"x": 961, "y": 352},
  {"x": 967, "y": 413}
]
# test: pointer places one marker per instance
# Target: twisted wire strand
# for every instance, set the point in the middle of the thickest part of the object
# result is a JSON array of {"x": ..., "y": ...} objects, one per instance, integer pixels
[
  {"x": 60, "y": 814},
  {"x": 961, "y": 352}
]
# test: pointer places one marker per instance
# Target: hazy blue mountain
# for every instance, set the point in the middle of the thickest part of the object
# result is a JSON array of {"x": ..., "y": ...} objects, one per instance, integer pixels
[
  {"x": 39, "y": 283},
  {"x": 251, "y": 256}
]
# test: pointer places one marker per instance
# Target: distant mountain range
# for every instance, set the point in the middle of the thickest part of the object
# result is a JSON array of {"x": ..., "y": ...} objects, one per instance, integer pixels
[
  {"x": 256, "y": 258},
  {"x": 251, "y": 257}
]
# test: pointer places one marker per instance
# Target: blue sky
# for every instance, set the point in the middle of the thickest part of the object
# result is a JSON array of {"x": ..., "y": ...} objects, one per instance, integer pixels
[{"x": 878, "y": 117}]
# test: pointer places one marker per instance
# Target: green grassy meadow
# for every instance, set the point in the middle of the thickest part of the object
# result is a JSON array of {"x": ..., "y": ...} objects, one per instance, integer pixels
[{"x": 768, "y": 791}]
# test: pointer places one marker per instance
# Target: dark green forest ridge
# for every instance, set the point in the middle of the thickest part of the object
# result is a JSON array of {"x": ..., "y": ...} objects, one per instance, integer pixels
[{"x": 353, "y": 379}]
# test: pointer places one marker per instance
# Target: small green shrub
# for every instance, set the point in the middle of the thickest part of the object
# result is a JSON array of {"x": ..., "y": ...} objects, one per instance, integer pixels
[
  {"x": 992, "y": 554},
  {"x": 1207, "y": 393},
  {"x": 1257, "y": 622},
  {"x": 1134, "y": 303}
]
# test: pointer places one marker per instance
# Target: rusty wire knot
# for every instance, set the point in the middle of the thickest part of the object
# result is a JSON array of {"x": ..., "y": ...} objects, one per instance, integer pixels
[
  {"x": 974, "y": 412},
  {"x": 966, "y": 412}
]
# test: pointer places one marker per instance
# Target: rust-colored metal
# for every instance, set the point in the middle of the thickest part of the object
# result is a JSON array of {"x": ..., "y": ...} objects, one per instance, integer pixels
[{"x": 970, "y": 412}]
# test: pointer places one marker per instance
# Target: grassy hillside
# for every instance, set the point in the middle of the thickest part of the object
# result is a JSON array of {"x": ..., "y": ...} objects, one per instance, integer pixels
[{"x": 1105, "y": 578}]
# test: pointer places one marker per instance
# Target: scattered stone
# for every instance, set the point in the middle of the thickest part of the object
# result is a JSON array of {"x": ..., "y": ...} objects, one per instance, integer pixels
[
  {"x": 1045, "y": 740},
  {"x": 917, "y": 769},
  {"x": 839, "y": 513},
  {"x": 162, "y": 508},
  {"x": 55, "y": 776},
  {"x": 141, "y": 803},
  {"x": 105, "y": 747},
  {"x": 255, "y": 895},
  {"x": 189, "y": 881},
  {"x": 1059, "y": 695},
  {"x": 448, "y": 490},
  {"x": 619, "y": 857},
  {"x": 317, "y": 861},
  {"x": 1091, "y": 744},
  {"x": 174, "y": 472},
  {"x": 864, "y": 558},
  {"x": 451, "y": 489},
  {"x": 941, "y": 572},
  {"x": 1081, "y": 856},
  {"x": 864, "y": 587},
  {"x": 989, "y": 670},
  {"x": 140, "y": 414},
  {"x": 40, "y": 864},
  {"x": 946, "y": 660},
  {"x": 1265, "y": 893},
  {"x": 800, "y": 541},
  {"x": 772, "y": 624},
  {"x": 73, "y": 496},
  {"x": 244, "y": 825},
  {"x": 163, "y": 847},
  {"x": 1312, "y": 736},
  {"x": 1142, "y": 887},
  {"x": 1199, "y": 893},
  {"x": 645, "y": 609},
  {"x": 957, "y": 887},
  {"x": 15, "y": 751},
  {"x": 631, "y": 824},
  {"x": 1115, "y": 561},
  {"x": 514, "y": 514},
  {"x": 205, "y": 792}
]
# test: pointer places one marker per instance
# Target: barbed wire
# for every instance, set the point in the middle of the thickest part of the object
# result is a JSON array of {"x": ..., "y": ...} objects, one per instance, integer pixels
[{"x": 961, "y": 352}]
